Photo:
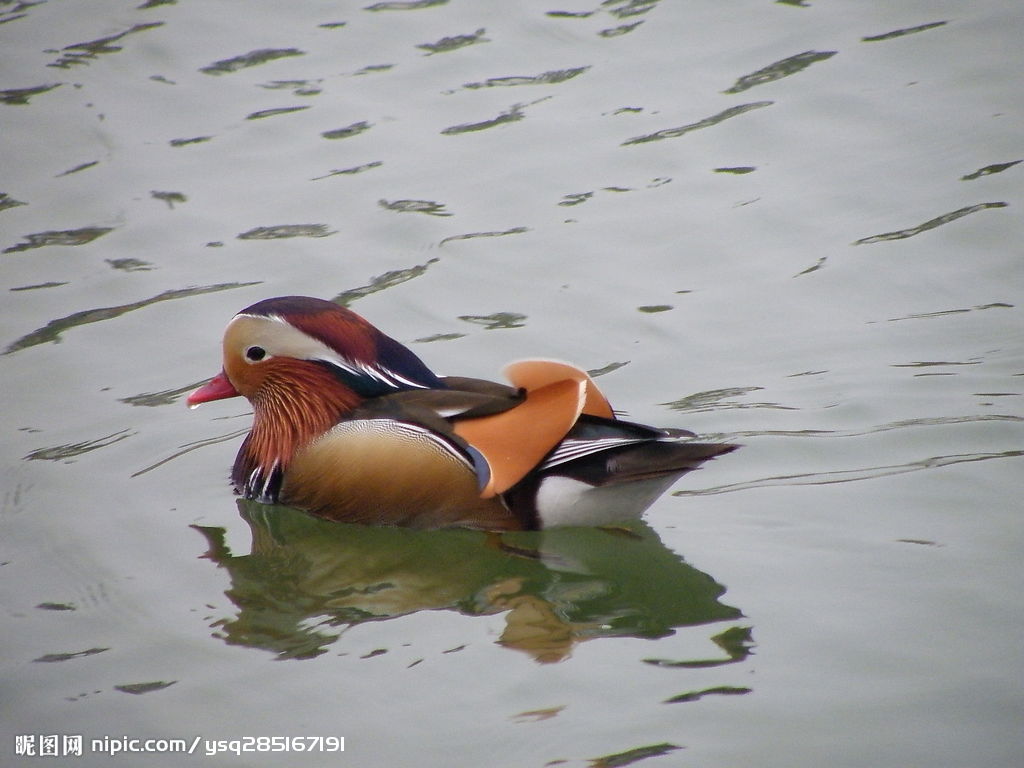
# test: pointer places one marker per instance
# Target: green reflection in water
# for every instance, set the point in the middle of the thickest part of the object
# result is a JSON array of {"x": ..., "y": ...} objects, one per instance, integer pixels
[
  {"x": 306, "y": 580},
  {"x": 735, "y": 641}
]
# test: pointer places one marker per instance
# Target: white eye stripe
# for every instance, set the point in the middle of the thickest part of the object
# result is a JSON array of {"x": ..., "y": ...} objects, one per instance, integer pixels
[{"x": 278, "y": 337}]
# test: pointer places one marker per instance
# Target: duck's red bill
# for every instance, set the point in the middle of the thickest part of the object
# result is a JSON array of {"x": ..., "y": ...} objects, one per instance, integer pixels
[{"x": 216, "y": 388}]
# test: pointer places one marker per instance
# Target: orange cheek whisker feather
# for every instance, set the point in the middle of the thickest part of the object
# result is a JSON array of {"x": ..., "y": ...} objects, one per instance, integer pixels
[{"x": 295, "y": 405}]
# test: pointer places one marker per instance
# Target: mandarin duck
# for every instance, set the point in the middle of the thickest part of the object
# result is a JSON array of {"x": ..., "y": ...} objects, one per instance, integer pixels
[{"x": 350, "y": 425}]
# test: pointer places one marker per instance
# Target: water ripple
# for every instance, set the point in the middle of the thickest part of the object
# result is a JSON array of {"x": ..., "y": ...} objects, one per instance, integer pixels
[
  {"x": 350, "y": 171},
  {"x": 250, "y": 59},
  {"x": 382, "y": 282},
  {"x": 348, "y": 131},
  {"x": 471, "y": 235},
  {"x": 718, "y": 690},
  {"x": 938, "y": 221},
  {"x": 633, "y": 755},
  {"x": 453, "y": 43},
  {"x": 988, "y": 170},
  {"x": 620, "y": 30},
  {"x": 623, "y": 9},
  {"x": 140, "y": 688},
  {"x": 851, "y": 475},
  {"x": 707, "y": 122},
  {"x": 404, "y": 5},
  {"x": 429, "y": 207},
  {"x": 192, "y": 140},
  {"x": 274, "y": 112},
  {"x": 82, "y": 53},
  {"x": 171, "y": 198},
  {"x": 21, "y": 96},
  {"x": 282, "y": 231},
  {"x": 439, "y": 337},
  {"x": 903, "y": 424},
  {"x": 53, "y": 329},
  {"x": 716, "y": 400},
  {"x": 496, "y": 320},
  {"x": 902, "y": 32},
  {"x": 52, "y": 657},
  {"x": 189, "y": 447},
  {"x": 606, "y": 369},
  {"x": 737, "y": 643},
  {"x": 511, "y": 115},
  {"x": 36, "y": 286},
  {"x": 550, "y": 77},
  {"x": 77, "y": 168},
  {"x": 779, "y": 69},
  {"x": 165, "y": 397},
  {"x": 944, "y": 312},
  {"x": 60, "y": 237},
  {"x": 6, "y": 201},
  {"x": 70, "y": 450},
  {"x": 297, "y": 87}
]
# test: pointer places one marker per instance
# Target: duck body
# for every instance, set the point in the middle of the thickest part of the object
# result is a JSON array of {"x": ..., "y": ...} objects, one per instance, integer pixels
[{"x": 350, "y": 425}]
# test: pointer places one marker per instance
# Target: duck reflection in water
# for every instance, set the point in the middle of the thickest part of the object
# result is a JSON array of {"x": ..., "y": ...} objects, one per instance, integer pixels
[{"x": 306, "y": 580}]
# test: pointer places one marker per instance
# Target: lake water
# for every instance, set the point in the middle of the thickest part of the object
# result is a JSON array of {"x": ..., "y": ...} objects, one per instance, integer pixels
[{"x": 794, "y": 225}]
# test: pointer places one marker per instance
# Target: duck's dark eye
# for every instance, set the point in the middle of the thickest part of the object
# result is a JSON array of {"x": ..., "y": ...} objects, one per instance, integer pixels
[{"x": 255, "y": 353}]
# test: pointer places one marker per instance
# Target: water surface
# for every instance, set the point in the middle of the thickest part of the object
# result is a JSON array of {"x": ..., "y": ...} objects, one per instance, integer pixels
[{"x": 794, "y": 225}]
